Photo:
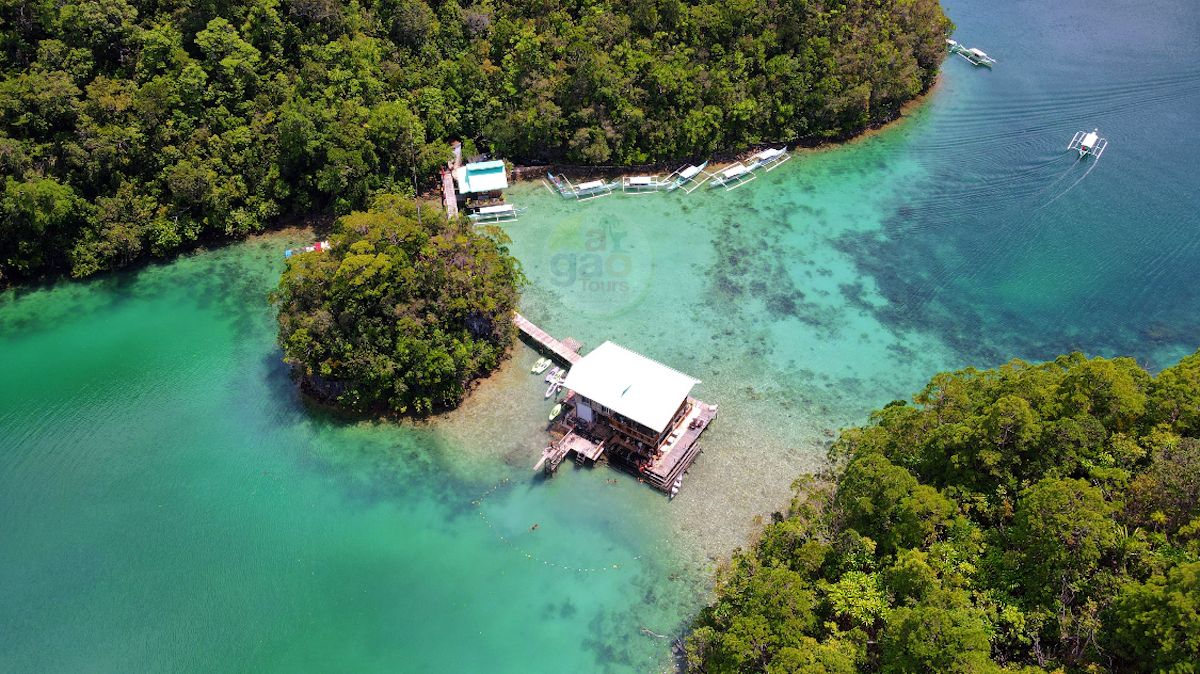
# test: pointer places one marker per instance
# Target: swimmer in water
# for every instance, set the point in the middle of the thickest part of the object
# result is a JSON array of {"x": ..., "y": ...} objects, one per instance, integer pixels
[{"x": 533, "y": 528}]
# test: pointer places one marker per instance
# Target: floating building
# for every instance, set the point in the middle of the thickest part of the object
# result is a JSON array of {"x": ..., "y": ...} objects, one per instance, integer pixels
[{"x": 637, "y": 412}]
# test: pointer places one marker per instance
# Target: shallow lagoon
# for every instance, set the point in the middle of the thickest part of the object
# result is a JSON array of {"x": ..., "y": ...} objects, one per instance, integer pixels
[{"x": 167, "y": 503}]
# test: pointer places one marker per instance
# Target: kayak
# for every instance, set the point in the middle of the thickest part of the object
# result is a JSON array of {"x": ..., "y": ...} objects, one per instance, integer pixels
[{"x": 555, "y": 412}]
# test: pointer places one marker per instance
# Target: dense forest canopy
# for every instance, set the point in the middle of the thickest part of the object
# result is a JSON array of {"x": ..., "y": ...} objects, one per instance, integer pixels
[
  {"x": 134, "y": 127},
  {"x": 1024, "y": 519},
  {"x": 404, "y": 311}
]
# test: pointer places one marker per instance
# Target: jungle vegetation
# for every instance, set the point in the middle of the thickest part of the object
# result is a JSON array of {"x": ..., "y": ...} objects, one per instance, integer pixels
[
  {"x": 403, "y": 312},
  {"x": 1030, "y": 518},
  {"x": 138, "y": 127}
]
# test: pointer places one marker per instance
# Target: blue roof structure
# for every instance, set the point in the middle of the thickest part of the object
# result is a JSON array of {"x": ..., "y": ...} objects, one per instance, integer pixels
[{"x": 485, "y": 176}]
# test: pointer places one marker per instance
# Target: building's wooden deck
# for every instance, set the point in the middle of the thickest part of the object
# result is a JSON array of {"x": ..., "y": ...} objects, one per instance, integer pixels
[
  {"x": 565, "y": 355},
  {"x": 682, "y": 451}
]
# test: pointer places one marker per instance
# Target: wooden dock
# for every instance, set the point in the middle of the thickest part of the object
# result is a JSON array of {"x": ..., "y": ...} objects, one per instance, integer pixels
[
  {"x": 680, "y": 453},
  {"x": 449, "y": 196},
  {"x": 565, "y": 354}
]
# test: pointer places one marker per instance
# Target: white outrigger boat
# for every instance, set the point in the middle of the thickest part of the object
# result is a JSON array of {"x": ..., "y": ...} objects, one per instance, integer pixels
[
  {"x": 733, "y": 176},
  {"x": 975, "y": 56},
  {"x": 642, "y": 184},
  {"x": 1088, "y": 142},
  {"x": 689, "y": 176},
  {"x": 500, "y": 213},
  {"x": 593, "y": 189},
  {"x": 770, "y": 159}
]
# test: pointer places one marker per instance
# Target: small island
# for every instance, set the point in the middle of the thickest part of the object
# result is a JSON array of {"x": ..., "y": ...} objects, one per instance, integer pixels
[{"x": 403, "y": 311}]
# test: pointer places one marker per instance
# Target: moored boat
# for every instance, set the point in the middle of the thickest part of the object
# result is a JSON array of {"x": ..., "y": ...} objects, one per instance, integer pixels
[
  {"x": 975, "y": 56},
  {"x": 733, "y": 176},
  {"x": 583, "y": 191},
  {"x": 690, "y": 176},
  {"x": 498, "y": 213},
  {"x": 769, "y": 159},
  {"x": 642, "y": 184}
]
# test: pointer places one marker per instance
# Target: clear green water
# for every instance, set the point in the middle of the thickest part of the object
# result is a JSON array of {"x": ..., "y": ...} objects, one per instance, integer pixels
[{"x": 168, "y": 504}]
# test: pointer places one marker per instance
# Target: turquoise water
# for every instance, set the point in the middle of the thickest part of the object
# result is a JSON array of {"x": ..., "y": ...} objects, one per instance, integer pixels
[{"x": 167, "y": 503}]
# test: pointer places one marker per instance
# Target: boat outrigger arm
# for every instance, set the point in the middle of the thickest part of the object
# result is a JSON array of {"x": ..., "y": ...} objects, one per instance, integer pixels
[{"x": 1088, "y": 142}]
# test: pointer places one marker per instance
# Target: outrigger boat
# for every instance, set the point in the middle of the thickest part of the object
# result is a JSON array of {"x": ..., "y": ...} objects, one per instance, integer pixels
[
  {"x": 733, "y": 176},
  {"x": 500, "y": 213},
  {"x": 642, "y": 184},
  {"x": 593, "y": 189},
  {"x": 769, "y": 159},
  {"x": 1088, "y": 143},
  {"x": 975, "y": 56},
  {"x": 688, "y": 176}
]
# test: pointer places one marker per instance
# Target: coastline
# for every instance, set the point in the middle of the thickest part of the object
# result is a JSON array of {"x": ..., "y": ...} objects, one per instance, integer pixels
[{"x": 892, "y": 121}]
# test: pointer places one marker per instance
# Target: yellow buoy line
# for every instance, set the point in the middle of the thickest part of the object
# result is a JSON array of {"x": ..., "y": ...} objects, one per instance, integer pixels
[{"x": 479, "y": 508}]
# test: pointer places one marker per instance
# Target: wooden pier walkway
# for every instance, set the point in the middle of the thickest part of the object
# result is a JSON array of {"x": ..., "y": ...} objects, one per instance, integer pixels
[
  {"x": 560, "y": 350},
  {"x": 681, "y": 452},
  {"x": 449, "y": 197}
]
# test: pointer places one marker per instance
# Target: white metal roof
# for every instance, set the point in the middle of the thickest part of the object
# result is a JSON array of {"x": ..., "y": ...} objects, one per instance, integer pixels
[
  {"x": 630, "y": 384},
  {"x": 486, "y": 176}
]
